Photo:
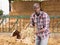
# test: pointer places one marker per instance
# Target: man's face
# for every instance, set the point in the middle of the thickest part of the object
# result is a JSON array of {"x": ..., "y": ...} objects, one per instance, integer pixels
[{"x": 37, "y": 9}]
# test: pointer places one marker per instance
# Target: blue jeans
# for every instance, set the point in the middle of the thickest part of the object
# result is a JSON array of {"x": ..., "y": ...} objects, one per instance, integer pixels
[{"x": 40, "y": 41}]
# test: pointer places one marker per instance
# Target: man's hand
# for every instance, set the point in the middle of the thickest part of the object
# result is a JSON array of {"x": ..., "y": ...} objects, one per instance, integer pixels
[
  {"x": 40, "y": 31},
  {"x": 30, "y": 25},
  {"x": 36, "y": 32}
]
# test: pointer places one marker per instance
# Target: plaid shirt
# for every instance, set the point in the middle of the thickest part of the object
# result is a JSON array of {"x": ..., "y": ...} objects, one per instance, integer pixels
[{"x": 41, "y": 21}]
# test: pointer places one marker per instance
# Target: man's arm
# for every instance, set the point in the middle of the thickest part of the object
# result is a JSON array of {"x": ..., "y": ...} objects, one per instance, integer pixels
[
  {"x": 45, "y": 23},
  {"x": 32, "y": 24}
]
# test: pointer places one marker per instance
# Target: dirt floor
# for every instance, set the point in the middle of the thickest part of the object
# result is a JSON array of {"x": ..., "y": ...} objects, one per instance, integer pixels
[{"x": 6, "y": 39}]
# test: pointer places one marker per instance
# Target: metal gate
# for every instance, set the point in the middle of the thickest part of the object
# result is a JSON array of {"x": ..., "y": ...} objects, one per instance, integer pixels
[{"x": 10, "y": 23}]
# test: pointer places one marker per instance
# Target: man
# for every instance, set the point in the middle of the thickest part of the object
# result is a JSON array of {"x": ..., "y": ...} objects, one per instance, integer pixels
[{"x": 41, "y": 20}]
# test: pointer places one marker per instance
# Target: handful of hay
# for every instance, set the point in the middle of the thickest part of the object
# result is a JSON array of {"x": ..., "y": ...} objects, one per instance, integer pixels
[{"x": 28, "y": 35}]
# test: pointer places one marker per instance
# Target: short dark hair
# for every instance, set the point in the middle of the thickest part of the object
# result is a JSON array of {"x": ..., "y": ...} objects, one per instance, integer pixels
[{"x": 36, "y": 5}]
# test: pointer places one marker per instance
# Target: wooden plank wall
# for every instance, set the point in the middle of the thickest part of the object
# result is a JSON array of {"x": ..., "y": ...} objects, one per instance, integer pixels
[{"x": 52, "y": 7}]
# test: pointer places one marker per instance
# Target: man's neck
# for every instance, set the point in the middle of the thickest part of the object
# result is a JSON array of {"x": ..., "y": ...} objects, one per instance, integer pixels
[{"x": 37, "y": 13}]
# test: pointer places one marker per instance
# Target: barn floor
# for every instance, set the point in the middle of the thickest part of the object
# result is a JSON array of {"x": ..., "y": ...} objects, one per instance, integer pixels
[{"x": 5, "y": 39}]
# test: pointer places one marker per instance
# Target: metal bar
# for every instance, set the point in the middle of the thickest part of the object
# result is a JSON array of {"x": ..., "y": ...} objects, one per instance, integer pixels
[
  {"x": 7, "y": 16},
  {"x": 26, "y": 18}
]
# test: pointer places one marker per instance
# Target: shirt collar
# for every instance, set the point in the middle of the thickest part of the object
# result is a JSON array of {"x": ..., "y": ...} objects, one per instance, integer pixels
[{"x": 41, "y": 12}]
